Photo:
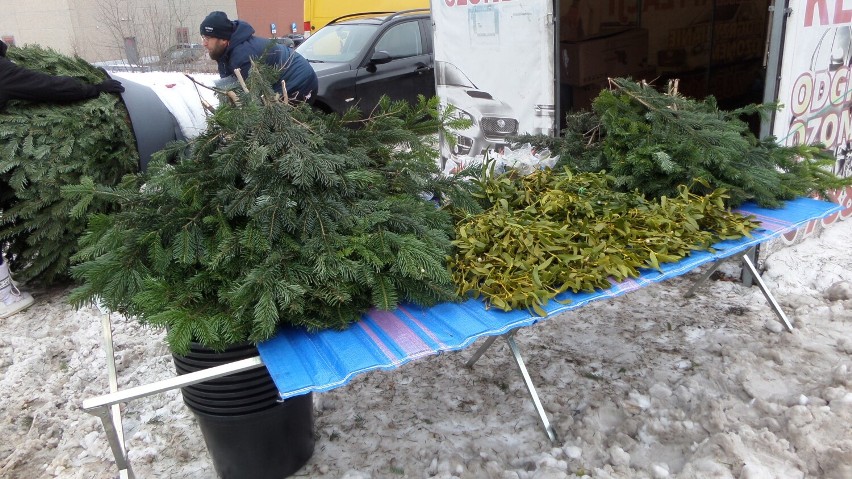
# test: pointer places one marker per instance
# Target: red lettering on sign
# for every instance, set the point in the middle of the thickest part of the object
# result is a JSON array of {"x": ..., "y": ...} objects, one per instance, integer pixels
[
  {"x": 809, "y": 12},
  {"x": 813, "y": 7},
  {"x": 841, "y": 15}
]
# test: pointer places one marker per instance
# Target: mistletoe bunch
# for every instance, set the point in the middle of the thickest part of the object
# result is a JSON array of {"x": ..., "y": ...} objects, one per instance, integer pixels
[{"x": 555, "y": 231}]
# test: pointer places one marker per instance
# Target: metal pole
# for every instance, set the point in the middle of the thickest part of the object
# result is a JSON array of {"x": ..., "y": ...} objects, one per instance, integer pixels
[
  {"x": 557, "y": 71},
  {"x": 479, "y": 352},
  {"x": 779, "y": 11},
  {"x": 115, "y": 431},
  {"x": 750, "y": 267},
  {"x": 711, "y": 40},
  {"x": 700, "y": 281},
  {"x": 768, "y": 295},
  {"x": 114, "y": 439},
  {"x": 172, "y": 383},
  {"x": 516, "y": 352}
]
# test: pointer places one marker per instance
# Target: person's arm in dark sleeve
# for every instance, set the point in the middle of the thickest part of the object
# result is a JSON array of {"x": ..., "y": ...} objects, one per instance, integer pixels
[
  {"x": 18, "y": 83},
  {"x": 240, "y": 60}
]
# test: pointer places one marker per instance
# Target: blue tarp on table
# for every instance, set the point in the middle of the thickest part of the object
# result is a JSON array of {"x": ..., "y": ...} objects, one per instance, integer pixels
[{"x": 301, "y": 362}]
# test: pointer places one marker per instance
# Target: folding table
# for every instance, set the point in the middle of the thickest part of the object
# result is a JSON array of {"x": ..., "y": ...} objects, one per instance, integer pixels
[{"x": 302, "y": 362}]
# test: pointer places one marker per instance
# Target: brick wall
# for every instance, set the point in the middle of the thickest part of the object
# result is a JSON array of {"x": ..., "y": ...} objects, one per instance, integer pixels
[{"x": 262, "y": 13}]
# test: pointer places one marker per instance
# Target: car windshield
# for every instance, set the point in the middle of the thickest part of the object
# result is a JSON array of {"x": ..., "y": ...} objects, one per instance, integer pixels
[
  {"x": 337, "y": 43},
  {"x": 447, "y": 74}
]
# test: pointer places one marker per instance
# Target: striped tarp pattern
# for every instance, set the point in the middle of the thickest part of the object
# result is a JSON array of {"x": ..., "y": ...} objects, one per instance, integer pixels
[{"x": 301, "y": 362}]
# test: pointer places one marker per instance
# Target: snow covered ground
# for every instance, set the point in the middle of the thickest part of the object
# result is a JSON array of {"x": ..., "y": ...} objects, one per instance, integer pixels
[{"x": 646, "y": 385}]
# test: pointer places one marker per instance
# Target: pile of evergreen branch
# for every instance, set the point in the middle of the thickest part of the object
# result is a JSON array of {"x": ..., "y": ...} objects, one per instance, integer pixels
[
  {"x": 46, "y": 146},
  {"x": 277, "y": 214},
  {"x": 655, "y": 142}
]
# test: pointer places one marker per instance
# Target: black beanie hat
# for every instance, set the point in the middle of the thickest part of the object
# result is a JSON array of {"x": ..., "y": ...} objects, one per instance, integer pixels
[{"x": 217, "y": 25}]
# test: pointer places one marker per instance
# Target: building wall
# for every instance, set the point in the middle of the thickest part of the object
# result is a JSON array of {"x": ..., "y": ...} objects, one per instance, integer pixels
[
  {"x": 95, "y": 29},
  {"x": 36, "y": 21},
  {"x": 262, "y": 13}
]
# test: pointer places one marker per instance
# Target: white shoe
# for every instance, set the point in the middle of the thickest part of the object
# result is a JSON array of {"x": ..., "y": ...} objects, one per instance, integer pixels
[
  {"x": 12, "y": 300},
  {"x": 15, "y": 302},
  {"x": 4, "y": 270}
]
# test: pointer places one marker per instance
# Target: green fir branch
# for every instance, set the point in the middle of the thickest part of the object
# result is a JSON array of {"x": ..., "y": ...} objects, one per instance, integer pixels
[
  {"x": 655, "y": 142},
  {"x": 276, "y": 214}
]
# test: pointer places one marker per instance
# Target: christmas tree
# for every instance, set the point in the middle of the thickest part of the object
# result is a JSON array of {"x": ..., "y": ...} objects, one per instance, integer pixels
[{"x": 44, "y": 147}]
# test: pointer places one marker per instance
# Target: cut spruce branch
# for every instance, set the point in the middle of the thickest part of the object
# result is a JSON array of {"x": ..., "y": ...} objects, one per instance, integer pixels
[
  {"x": 276, "y": 215},
  {"x": 655, "y": 143}
]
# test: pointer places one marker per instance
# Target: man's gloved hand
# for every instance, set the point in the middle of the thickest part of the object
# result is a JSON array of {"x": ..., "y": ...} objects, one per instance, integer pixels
[{"x": 110, "y": 86}]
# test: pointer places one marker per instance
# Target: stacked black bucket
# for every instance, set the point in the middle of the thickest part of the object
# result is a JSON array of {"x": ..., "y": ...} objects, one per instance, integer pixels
[{"x": 250, "y": 432}]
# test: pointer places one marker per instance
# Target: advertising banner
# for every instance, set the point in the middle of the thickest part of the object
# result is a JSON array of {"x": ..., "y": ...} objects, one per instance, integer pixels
[
  {"x": 494, "y": 63},
  {"x": 815, "y": 87}
]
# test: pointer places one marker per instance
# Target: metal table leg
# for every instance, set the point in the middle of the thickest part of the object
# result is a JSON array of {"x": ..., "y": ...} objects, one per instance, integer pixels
[
  {"x": 114, "y": 437},
  {"x": 111, "y": 417},
  {"x": 516, "y": 352},
  {"x": 700, "y": 281},
  {"x": 100, "y": 406},
  {"x": 479, "y": 352},
  {"x": 551, "y": 433},
  {"x": 767, "y": 294},
  {"x": 748, "y": 277},
  {"x": 753, "y": 275}
]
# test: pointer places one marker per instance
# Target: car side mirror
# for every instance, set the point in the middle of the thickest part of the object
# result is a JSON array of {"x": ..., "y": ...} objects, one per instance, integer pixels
[{"x": 380, "y": 57}]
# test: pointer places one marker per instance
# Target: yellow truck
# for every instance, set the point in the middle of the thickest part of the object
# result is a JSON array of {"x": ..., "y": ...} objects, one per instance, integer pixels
[{"x": 319, "y": 12}]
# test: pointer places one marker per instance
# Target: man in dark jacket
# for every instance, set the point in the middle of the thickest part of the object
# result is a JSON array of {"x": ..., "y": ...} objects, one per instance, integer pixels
[
  {"x": 19, "y": 83},
  {"x": 233, "y": 45}
]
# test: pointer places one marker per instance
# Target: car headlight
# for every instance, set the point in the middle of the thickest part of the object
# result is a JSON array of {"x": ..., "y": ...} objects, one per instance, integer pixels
[{"x": 463, "y": 115}]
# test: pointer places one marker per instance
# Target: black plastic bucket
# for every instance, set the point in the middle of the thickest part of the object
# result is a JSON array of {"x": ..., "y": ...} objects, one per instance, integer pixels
[
  {"x": 242, "y": 385},
  {"x": 233, "y": 407},
  {"x": 230, "y": 395},
  {"x": 269, "y": 444},
  {"x": 249, "y": 431}
]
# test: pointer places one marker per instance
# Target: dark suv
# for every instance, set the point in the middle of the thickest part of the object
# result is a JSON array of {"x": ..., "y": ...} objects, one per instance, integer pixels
[{"x": 358, "y": 58}]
